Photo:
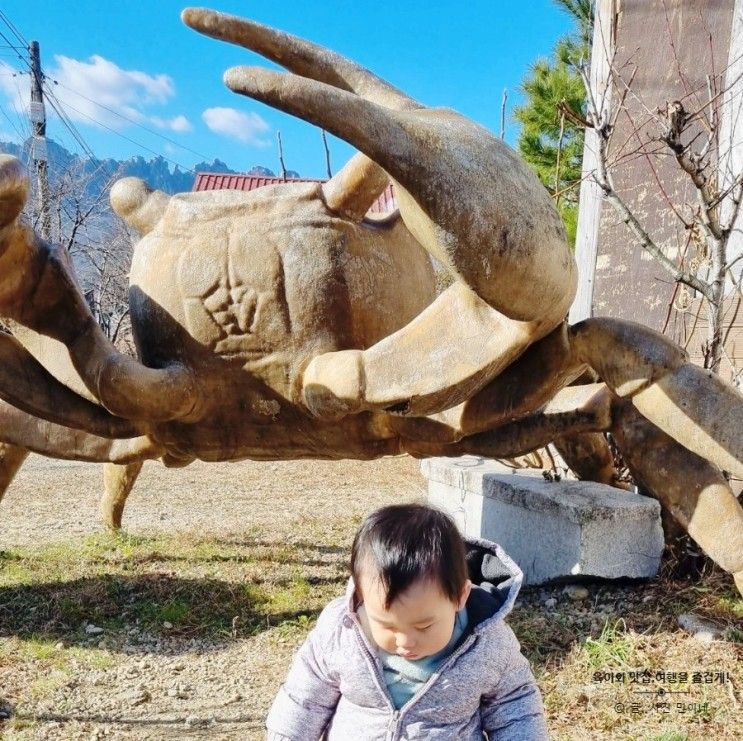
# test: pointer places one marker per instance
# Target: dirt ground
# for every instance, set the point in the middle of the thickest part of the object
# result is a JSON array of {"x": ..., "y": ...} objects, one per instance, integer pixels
[
  {"x": 195, "y": 617},
  {"x": 53, "y": 500},
  {"x": 222, "y": 688}
]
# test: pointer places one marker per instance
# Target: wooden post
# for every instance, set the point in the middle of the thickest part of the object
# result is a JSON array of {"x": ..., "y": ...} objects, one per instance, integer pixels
[
  {"x": 281, "y": 156},
  {"x": 38, "y": 142},
  {"x": 327, "y": 153}
]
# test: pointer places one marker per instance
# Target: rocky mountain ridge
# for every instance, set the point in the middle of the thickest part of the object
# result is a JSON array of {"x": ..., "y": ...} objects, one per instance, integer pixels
[{"x": 96, "y": 174}]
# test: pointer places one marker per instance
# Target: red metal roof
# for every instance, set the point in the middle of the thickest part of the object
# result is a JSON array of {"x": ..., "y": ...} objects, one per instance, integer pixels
[{"x": 385, "y": 204}]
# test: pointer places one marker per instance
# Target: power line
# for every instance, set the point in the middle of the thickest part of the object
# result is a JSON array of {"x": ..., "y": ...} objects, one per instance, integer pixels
[
  {"x": 56, "y": 104},
  {"x": 19, "y": 51},
  {"x": 10, "y": 121},
  {"x": 13, "y": 29},
  {"x": 130, "y": 120},
  {"x": 132, "y": 141},
  {"x": 60, "y": 107},
  {"x": 57, "y": 107}
]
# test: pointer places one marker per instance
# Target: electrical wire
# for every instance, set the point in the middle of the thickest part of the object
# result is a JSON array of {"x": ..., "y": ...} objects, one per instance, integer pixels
[
  {"x": 13, "y": 28},
  {"x": 12, "y": 124},
  {"x": 19, "y": 51},
  {"x": 60, "y": 108},
  {"x": 132, "y": 141},
  {"x": 130, "y": 120}
]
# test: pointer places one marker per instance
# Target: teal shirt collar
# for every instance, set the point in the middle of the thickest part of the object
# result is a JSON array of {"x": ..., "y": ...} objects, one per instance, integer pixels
[{"x": 404, "y": 677}]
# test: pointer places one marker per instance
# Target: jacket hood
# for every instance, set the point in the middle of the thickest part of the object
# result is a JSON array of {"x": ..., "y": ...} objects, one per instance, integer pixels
[{"x": 496, "y": 580}]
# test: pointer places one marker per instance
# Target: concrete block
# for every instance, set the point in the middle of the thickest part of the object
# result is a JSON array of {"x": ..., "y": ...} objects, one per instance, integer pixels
[{"x": 553, "y": 530}]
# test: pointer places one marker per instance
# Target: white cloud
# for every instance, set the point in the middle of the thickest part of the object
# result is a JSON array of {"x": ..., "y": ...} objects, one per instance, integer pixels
[
  {"x": 16, "y": 87},
  {"x": 107, "y": 83},
  {"x": 245, "y": 127},
  {"x": 179, "y": 123},
  {"x": 81, "y": 85}
]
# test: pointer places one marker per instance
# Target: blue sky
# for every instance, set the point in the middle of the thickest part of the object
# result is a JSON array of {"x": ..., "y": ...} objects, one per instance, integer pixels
[{"x": 139, "y": 60}]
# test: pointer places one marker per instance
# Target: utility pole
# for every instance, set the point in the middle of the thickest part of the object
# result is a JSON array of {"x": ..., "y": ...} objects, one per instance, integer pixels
[{"x": 38, "y": 142}]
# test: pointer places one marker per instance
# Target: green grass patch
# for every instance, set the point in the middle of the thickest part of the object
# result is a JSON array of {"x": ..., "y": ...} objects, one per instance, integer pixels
[
  {"x": 612, "y": 648},
  {"x": 731, "y": 604},
  {"x": 165, "y": 585}
]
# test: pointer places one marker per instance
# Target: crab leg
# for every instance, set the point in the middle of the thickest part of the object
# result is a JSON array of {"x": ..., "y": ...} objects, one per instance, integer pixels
[
  {"x": 574, "y": 411},
  {"x": 26, "y": 384},
  {"x": 692, "y": 405},
  {"x": 693, "y": 490},
  {"x": 47, "y": 438},
  {"x": 524, "y": 386},
  {"x": 457, "y": 187},
  {"x": 588, "y": 455},
  {"x": 38, "y": 289},
  {"x": 118, "y": 481},
  {"x": 11, "y": 459}
]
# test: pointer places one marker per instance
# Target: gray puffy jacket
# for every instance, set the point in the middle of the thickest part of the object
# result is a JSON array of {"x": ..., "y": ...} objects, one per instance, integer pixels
[{"x": 336, "y": 687}]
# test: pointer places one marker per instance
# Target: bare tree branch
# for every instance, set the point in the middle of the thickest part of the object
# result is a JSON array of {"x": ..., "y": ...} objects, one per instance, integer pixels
[{"x": 604, "y": 180}]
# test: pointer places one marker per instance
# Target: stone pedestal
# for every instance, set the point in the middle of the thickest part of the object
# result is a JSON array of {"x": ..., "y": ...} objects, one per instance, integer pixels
[{"x": 553, "y": 530}]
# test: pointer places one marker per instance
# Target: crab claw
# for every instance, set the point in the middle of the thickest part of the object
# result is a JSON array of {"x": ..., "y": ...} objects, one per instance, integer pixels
[
  {"x": 38, "y": 289},
  {"x": 458, "y": 188}
]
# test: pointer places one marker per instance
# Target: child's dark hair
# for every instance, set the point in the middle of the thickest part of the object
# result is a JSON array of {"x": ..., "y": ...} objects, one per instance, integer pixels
[{"x": 404, "y": 543}]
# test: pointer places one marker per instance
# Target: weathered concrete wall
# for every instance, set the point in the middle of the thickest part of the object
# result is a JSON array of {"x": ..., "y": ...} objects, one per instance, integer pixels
[{"x": 671, "y": 47}]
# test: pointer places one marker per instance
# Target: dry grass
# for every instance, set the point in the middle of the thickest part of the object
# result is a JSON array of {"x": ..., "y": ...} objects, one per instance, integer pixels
[{"x": 236, "y": 571}]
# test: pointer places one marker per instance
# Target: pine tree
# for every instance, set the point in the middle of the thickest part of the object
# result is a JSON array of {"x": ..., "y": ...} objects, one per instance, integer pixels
[{"x": 551, "y": 143}]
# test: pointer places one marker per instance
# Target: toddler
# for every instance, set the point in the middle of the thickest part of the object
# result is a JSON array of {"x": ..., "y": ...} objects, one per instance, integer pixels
[{"x": 414, "y": 650}]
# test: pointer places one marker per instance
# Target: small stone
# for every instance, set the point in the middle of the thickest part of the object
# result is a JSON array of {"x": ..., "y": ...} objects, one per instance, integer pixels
[
  {"x": 702, "y": 630},
  {"x": 167, "y": 625},
  {"x": 93, "y": 630},
  {"x": 59, "y": 646},
  {"x": 576, "y": 592},
  {"x": 138, "y": 697},
  {"x": 179, "y": 690},
  {"x": 648, "y": 598},
  {"x": 550, "y": 603},
  {"x": 191, "y": 721}
]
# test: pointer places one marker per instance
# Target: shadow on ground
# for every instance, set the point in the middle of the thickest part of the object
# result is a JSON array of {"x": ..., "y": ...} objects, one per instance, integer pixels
[
  {"x": 204, "y": 608},
  {"x": 134, "y": 590}
]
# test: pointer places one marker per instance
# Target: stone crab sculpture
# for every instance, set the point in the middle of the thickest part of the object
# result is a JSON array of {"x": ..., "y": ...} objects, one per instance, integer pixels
[{"x": 282, "y": 323}]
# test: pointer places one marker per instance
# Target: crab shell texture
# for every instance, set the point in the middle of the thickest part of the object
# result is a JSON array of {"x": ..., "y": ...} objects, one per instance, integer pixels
[
  {"x": 245, "y": 289},
  {"x": 284, "y": 323}
]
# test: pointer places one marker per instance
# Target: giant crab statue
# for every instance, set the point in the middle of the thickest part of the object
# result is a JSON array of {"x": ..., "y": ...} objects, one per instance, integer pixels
[{"x": 283, "y": 323}]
